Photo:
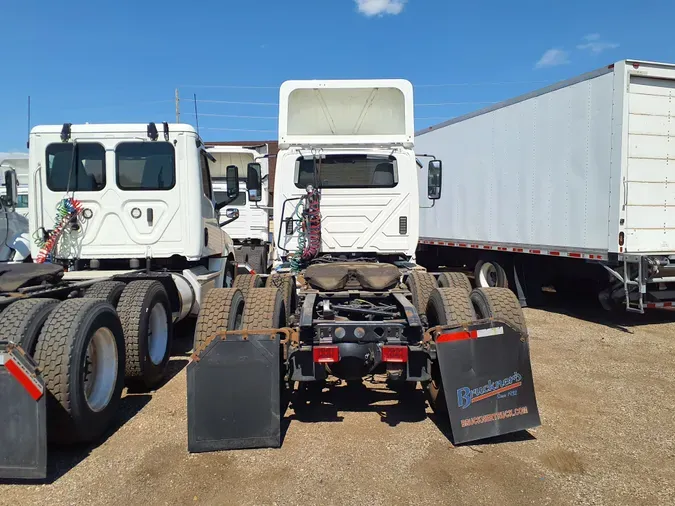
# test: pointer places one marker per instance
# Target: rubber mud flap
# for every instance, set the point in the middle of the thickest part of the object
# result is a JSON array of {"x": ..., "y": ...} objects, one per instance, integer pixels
[
  {"x": 487, "y": 376},
  {"x": 234, "y": 394},
  {"x": 23, "y": 417}
]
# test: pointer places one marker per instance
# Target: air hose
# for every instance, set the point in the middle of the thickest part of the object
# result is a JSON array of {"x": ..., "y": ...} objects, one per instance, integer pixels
[
  {"x": 309, "y": 231},
  {"x": 66, "y": 210}
]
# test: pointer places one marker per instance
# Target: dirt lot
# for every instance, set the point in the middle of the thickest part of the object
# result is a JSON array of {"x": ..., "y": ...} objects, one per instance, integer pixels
[{"x": 606, "y": 391}]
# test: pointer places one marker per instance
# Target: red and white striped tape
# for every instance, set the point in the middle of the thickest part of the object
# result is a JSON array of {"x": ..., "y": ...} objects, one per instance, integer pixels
[
  {"x": 34, "y": 388},
  {"x": 493, "y": 247},
  {"x": 469, "y": 334}
]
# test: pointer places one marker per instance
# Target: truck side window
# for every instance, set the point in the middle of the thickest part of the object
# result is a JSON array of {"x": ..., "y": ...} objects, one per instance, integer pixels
[
  {"x": 88, "y": 174},
  {"x": 145, "y": 165},
  {"x": 206, "y": 175}
]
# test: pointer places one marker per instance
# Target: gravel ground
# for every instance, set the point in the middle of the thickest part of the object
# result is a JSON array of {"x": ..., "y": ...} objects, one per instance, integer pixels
[{"x": 606, "y": 392}]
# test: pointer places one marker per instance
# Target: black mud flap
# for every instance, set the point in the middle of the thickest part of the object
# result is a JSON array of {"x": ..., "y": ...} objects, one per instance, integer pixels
[
  {"x": 23, "y": 420},
  {"x": 487, "y": 378},
  {"x": 234, "y": 390}
]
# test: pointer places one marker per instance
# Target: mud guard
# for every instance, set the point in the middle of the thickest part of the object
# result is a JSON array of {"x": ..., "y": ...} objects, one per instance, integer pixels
[
  {"x": 23, "y": 418},
  {"x": 487, "y": 377},
  {"x": 234, "y": 393}
]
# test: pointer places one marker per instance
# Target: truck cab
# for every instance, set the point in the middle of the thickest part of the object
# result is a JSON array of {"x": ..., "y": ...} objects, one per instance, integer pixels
[
  {"x": 353, "y": 141},
  {"x": 251, "y": 232},
  {"x": 145, "y": 194}
]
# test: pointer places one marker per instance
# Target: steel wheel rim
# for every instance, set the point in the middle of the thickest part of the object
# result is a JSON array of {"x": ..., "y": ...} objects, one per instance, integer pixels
[
  {"x": 158, "y": 334},
  {"x": 101, "y": 364},
  {"x": 487, "y": 275}
]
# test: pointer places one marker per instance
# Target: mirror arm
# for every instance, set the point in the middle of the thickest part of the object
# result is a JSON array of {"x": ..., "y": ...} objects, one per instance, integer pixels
[
  {"x": 227, "y": 222},
  {"x": 433, "y": 203}
]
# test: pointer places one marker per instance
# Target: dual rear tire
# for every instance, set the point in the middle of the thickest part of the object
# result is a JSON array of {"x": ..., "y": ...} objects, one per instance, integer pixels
[{"x": 455, "y": 307}]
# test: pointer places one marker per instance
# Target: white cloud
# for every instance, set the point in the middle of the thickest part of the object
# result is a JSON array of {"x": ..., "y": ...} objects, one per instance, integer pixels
[
  {"x": 553, "y": 57},
  {"x": 594, "y": 44},
  {"x": 371, "y": 8}
]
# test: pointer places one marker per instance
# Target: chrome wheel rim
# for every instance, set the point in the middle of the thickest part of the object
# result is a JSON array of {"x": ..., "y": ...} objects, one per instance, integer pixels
[
  {"x": 158, "y": 334},
  {"x": 100, "y": 374},
  {"x": 487, "y": 275}
]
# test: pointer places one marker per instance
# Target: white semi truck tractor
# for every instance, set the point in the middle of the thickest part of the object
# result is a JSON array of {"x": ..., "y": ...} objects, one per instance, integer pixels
[
  {"x": 253, "y": 244},
  {"x": 127, "y": 241},
  {"x": 346, "y": 299}
]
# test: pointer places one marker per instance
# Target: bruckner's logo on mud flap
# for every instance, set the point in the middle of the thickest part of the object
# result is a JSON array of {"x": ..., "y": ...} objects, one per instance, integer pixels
[{"x": 507, "y": 387}]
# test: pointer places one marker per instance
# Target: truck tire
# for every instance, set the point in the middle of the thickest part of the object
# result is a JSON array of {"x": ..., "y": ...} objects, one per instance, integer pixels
[
  {"x": 285, "y": 283},
  {"x": 23, "y": 320},
  {"x": 108, "y": 290},
  {"x": 246, "y": 282},
  {"x": 447, "y": 306},
  {"x": 81, "y": 355},
  {"x": 454, "y": 280},
  {"x": 421, "y": 284},
  {"x": 145, "y": 313},
  {"x": 264, "y": 309},
  {"x": 222, "y": 309},
  {"x": 489, "y": 274},
  {"x": 500, "y": 304}
]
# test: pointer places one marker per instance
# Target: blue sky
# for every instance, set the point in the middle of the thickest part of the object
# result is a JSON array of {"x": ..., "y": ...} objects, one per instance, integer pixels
[{"x": 104, "y": 61}]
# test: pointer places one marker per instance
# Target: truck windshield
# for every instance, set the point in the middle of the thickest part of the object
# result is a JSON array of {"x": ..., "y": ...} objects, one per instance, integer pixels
[
  {"x": 220, "y": 196},
  {"x": 347, "y": 171},
  {"x": 145, "y": 165},
  {"x": 88, "y": 174}
]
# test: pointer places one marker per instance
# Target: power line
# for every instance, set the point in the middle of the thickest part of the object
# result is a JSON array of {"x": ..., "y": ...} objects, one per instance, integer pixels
[
  {"x": 237, "y": 103},
  {"x": 454, "y": 103},
  {"x": 502, "y": 83},
  {"x": 237, "y": 129},
  {"x": 239, "y": 116},
  {"x": 441, "y": 85},
  {"x": 228, "y": 87}
]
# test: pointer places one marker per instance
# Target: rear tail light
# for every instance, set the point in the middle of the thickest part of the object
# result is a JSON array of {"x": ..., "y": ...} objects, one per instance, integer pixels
[
  {"x": 397, "y": 354},
  {"x": 326, "y": 354},
  {"x": 621, "y": 238}
]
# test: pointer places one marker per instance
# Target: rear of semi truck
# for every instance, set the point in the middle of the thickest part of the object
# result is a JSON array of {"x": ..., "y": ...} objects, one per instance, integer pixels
[{"x": 567, "y": 185}]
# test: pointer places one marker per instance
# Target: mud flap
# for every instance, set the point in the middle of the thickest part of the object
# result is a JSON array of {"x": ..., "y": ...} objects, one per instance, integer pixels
[
  {"x": 487, "y": 378},
  {"x": 234, "y": 390},
  {"x": 23, "y": 419}
]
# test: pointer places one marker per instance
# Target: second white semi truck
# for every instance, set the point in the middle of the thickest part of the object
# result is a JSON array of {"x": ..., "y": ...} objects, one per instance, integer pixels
[
  {"x": 251, "y": 232},
  {"x": 569, "y": 185}
]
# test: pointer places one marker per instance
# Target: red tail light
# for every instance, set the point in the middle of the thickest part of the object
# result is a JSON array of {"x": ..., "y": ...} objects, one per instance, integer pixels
[
  {"x": 395, "y": 354},
  {"x": 326, "y": 354}
]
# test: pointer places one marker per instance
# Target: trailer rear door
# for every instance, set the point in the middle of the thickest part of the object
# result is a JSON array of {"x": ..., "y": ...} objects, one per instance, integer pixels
[{"x": 650, "y": 173}]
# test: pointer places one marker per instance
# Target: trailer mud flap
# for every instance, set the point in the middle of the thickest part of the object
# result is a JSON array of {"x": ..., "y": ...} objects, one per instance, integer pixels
[
  {"x": 487, "y": 377},
  {"x": 23, "y": 427},
  {"x": 234, "y": 393}
]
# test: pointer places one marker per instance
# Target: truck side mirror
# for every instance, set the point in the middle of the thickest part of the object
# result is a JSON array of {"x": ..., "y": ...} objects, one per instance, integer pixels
[
  {"x": 254, "y": 182},
  {"x": 435, "y": 179},
  {"x": 10, "y": 188},
  {"x": 232, "y": 180},
  {"x": 231, "y": 215}
]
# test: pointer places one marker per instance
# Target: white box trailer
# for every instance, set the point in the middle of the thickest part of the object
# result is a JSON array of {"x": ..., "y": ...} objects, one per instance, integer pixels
[
  {"x": 573, "y": 181},
  {"x": 251, "y": 232}
]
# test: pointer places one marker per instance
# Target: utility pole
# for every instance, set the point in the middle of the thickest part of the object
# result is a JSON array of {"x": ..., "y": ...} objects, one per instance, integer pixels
[{"x": 177, "y": 107}]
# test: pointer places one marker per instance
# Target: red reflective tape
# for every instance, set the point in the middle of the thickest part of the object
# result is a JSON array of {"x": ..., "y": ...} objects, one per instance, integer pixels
[
  {"x": 475, "y": 246},
  {"x": 574, "y": 255},
  {"x": 535, "y": 251},
  {"x": 487, "y": 247},
  {"x": 518, "y": 250},
  {"x": 23, "y": 378},
  {"x": 500, "y": 248},
  {"x": 456, "y": 336},
  {"x": 462, "y": 245},
  {"x": 554, "y": 253},
  {"x": 667, "y": 304}
]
